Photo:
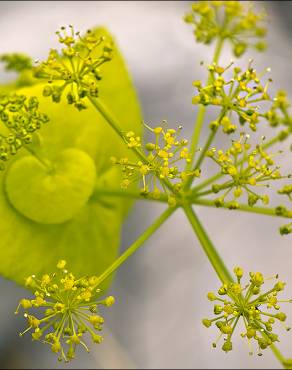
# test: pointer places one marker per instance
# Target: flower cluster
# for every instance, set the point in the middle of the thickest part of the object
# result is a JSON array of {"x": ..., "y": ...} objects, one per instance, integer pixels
[
  {"x": 279, "y": 112},
  {"x": 162, "y": 157},
  {"x": 248, "y": 169},
  {"x": 240, "y": 93},
  {"x": 228, "y": 20},
  {"x": 16, "y": 62},
  {"x": 287, "y": 190},
  {"x": 76, "y": 68},
  {"x": 286, "y": 229},
  {"x": 284, "y": 212},
  {"x": 258, "y": 310},
  {"x": 21, "y": 117},
  {"x": 69, "y": 308}
]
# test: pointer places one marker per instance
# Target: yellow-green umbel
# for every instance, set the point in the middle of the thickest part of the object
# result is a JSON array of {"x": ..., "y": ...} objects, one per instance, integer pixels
[
  {"x": 74, "y": 69},
  {"x": 248, "y": 169},
  {"x": 258, "y": 310},
  {"x": 64, "y": 309},
  {"x": 163, "y": 157},
  {"x": 286, "y": 229},
  {"x": 234, "y": 21},
  {"x": 286, "y": 190},
  {"x": 20, "y": 118},
  {"x": 237, "y": 92}
]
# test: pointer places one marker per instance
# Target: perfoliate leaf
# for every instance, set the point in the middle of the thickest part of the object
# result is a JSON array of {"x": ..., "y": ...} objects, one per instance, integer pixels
[{"x": 50, "y": 215}]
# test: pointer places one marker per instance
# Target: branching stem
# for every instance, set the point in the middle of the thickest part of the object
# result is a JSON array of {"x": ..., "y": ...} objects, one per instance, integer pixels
[
  {"x": 208, "y": 247},
  {"x": 242, "y": 207},
  {"x": 136, "y": 245},
  {"x": 113, "y": 122},
  {"x": 201, "y": 115},
  {"x": 101, "y": 192}
]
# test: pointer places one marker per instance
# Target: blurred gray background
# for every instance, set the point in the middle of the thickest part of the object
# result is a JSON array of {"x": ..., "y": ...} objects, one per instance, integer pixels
[{"x": 160, "y": 292}]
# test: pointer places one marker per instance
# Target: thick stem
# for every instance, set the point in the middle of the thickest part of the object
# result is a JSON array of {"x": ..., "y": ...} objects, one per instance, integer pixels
[
  {"x": 136, "y": 245},
  {"x": 221, "y": 270},
  {"x": 242, "y": 207},
  {"x": 211, "y": 252}
]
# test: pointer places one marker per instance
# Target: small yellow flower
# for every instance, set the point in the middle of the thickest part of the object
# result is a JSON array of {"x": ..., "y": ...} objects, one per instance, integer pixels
[
  {"x": 75, "y": 68},
  {"x": 160, "y": 162},
  {"x": 71, "y": 310},
  {"x": 247, "y": 169},
  {"x": 247, "y": 303},
  {"x": 231, "y": 20},
  {"x": 21, "y": 118}
]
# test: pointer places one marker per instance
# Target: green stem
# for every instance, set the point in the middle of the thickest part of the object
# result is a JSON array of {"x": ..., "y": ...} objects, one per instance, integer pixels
[
  {"x": 202, "y": 110},
  {"x": 273, "y": 141},
  {"x": 218, "y": 175},
  {"x": 112, "y": 121},
  {"x": 221, "y": 270},
  {"x": 206, "y": 147},
  {"x": 196, "y": 134},
  {"x": 100, "y": 192},
  {"x": 242, "y": 207},
  {"x": 43, "y": 161},
  {"x": 228, "y": 184},
  {"x": 211, "y": 252},
  {"x": 206, "y": 192},
  {"x": 286, "y": 362},
  {"x": 207, "y": 182},
  {"x": 136, "y": 245}
]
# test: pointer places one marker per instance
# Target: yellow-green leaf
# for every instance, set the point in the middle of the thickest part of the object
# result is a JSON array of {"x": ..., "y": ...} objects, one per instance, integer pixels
[{"x": 39, "y": 226}]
